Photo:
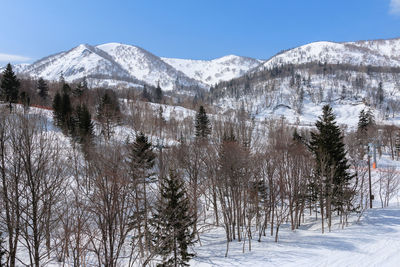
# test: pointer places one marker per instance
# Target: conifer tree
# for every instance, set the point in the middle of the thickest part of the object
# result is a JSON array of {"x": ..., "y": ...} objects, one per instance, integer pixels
[
  {"x": 380, "y": 93},
  {"x": 145, "y": 95},
  {"x": 63, "y": 111},
  {"x": 141, "y": 161},
  {"x": 202, "y": 125},
  {"x": 66, "y": 89},
  {"x": 158, "y": 93},
  {"x": 331, "y": 163},
  {"x": 80, "y": 88},
  {"x": 108, "y": 114},
  {"x": 43, "y": 89},
  {"x": 67, "y": 110},
  {"x": 9, "y": 85},
  {"x": 84, "y": 124},
  {"x": 173, "y": 223},
  {"x": 57, "y": 109},
  {"x": 365, "y": 120},
  {"x": 141, "y": 154}
]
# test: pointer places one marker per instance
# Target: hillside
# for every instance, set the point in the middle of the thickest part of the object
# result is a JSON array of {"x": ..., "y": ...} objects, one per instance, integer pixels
[
  {"x": 384, "y": 53},
  {"x": 297, "y": 82},
  {"x": 214, "y": 71}
]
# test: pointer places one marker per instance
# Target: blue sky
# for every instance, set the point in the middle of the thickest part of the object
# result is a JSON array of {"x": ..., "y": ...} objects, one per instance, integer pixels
[{"x": 199, "y": 29}]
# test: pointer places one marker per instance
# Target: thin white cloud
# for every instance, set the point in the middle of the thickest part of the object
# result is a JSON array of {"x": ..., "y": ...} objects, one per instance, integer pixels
[
  {"x": 395, "y": 7},
  {"x": 13, "y": 58}
]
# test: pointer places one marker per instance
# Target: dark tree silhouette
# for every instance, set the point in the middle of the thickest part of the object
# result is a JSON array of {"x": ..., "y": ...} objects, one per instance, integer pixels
[{"x": 9, "y": 85}]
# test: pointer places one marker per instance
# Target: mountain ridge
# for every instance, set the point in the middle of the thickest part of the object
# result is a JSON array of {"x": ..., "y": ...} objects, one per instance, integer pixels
[
  {"x": 122, "y": 63},
  {"x": 118, "y": 63}
]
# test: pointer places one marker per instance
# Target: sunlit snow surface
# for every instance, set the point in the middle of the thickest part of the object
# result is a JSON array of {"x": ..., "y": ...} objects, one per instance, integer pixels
[
  {"x": 374, "y": 241},
  {"x": 375, "y": 53},
  {"x": 214, "y": 71}
]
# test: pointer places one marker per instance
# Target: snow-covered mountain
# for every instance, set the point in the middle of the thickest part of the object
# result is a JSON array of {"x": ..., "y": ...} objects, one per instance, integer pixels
[
  {"x": 121, "y": 64},
  {"x": 361, "y": 53},
  {"x": 81, "y": 61},
  {"x": 146, "y": 67},
  {"x": 299, "y": 90},
  {"x": 214, "y": 71}
]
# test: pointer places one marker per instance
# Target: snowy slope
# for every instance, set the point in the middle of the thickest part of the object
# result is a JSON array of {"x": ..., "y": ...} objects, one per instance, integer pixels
[
  {"x": 375, "y": 241},
  {"x": 145, "y": 66},
  {"x": 389, "y": 48},
  {"x": 376, "y": 53},
  {"x": 213, "y": 71},
  {"x": 81, "y": 61}
]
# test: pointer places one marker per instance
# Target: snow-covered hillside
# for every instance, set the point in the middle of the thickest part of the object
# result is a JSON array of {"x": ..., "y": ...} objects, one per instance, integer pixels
[
  {"x": 375, "y": 53},
  {"x": 389, "y": 48},
  {"x": 214, "y": 71},
  {"x": 81, "y": 61},
  {"x": 146, "y": 67}
]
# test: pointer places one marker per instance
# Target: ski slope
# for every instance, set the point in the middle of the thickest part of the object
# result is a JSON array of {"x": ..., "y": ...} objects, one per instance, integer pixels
[{"x": 374, "y": 241}]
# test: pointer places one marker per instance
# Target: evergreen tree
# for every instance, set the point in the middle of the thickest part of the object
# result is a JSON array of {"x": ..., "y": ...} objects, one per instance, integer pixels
[
  {"x": 63, "y": 111},
  {"x": 366, "y": 123},
  {"x": 145, "y": 95},
  {"x": 108, "y": 114},
  {"x": 43, "y": 89},
  {"x": 158, "y": 93},
  {"x": 173, "y": 223},
  {"x": 3, "y": 251},
  {"x": 366, "y": 120},
  {"x": 80, "y": 89},
  {"x": 9, "y": 85},
  {"x": 67, "y": 110},
  {"x": 141, "y": 155},
  {"x": 141, "y": 161},
  {"x": 84, "y": 124},
  {"x": 330, "y": 155},
  {"x": 57, "y": 109},
  {"x": 202, "y": 124},
  {"x": 108, "y": 107},
  {"x": 380, "y": 93},
  {"x": 66, "y": 89}
]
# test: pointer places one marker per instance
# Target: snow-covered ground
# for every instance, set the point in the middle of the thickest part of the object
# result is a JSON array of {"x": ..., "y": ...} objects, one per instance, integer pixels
[{"x": 374, "y": 241}]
